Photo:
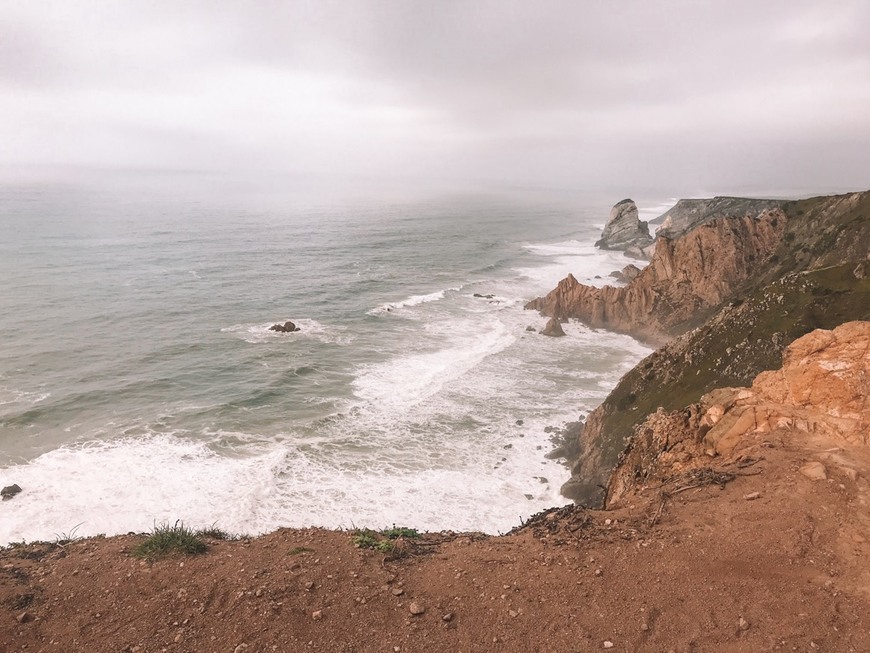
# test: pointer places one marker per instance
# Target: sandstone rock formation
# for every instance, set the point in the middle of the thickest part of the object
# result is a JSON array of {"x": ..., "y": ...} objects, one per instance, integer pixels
[
  {"x": 689, "y": 213},
  {"x": 624, "y": 228},
  {"x": 626, "y": 274},
  {"x": 821, "y": 394},
  {"x": 553, "y": 328},
  {"x": 686, "y": 278},
  {"x": 807, "y": 283}
]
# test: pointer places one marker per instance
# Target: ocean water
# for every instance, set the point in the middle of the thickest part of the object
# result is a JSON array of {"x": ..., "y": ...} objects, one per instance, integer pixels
[{"x": 139, "y": 381}]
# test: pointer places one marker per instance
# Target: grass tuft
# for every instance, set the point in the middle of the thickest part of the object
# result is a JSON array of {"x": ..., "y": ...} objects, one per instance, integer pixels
[
  {"x": 167, "y": 540},
  {"x": 396, "y": 532},
  {"x": 215, "y": 533},
  {"x": 65, "y": 538},
  {"x": 389, "y": 540},
  {"x": 298, "y": 550}
]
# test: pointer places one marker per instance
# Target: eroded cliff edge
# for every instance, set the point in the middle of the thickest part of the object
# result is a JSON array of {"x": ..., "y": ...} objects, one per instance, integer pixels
[
  {"x": 820, "y": 396},
  {"x": 685, "y": 279},
  {"x": 808, "y": 268}
]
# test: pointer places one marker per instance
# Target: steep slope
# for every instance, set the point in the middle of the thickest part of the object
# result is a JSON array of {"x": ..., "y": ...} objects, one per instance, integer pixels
[
  {"x": 800, "y": 289},
  {"x": 689, "y": 213},
  {"x": 820, "y": 395},
  {"x": 685, "y": 279}
]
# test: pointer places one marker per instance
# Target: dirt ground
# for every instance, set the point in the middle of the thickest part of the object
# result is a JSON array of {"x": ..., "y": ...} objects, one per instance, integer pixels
[{"x": 680, "y": 568}]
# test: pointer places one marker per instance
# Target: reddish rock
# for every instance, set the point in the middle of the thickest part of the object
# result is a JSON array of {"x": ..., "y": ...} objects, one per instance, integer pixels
[
  {"x": 553, "y": 328},
  {"x": 685, "y": 279}
]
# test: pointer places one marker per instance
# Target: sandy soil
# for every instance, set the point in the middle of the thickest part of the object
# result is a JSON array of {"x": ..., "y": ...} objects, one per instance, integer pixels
[{"x": 695, "y": 569}]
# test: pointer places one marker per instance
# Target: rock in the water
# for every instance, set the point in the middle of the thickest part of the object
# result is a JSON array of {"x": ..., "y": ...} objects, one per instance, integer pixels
[
  {"x": 624, "y": 228},
  {"x": 287, "y": 327},
  {"x": 553, "y": 328},
  {"x": 10, "y": 491}
]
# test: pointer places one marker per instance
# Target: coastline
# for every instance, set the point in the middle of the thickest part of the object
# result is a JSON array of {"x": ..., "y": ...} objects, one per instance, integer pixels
[
  {"x": 244, "y": 476},
  {"x": 722, "y": 516}
]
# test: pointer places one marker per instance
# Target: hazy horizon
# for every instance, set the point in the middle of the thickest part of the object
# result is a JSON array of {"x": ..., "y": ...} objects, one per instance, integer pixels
[{"x": 672, "y": 98}]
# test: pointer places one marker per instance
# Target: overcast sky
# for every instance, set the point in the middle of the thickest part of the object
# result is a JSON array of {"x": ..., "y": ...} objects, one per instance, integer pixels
[{"x": 580, "y": 94}]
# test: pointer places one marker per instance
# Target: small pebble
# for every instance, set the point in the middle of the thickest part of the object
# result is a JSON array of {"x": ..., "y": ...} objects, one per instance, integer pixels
[
  {"x": 416, "y": 609},
  {"x": 608, "y": 644},
  {"x": 398, "y": 591},
  {"x": 752, "y": 496},
  {"x": 447, "y": 618},
  {"x": 317, "y": 615},
  {"x": 742, "y": 624}
]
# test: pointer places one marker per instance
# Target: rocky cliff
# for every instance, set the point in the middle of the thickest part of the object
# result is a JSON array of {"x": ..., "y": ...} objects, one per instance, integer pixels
[
  {"x": 820, "y": 395},
  {"x": 689, "y": 213},
  {"x": 817, "y": 277},
  {"x": 686, "y": 278}
]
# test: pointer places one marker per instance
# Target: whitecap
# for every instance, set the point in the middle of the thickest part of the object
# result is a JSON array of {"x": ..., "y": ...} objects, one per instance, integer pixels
[
  {"x": 407, "y": 379},
  {"x": 413, "y": 300}
]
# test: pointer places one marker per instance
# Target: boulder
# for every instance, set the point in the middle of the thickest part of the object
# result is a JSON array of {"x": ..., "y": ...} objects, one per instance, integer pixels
[
  {"x": 627, "y": 273},
  {"x": 10, "y": 491},
  {"x": 624, "y": 229},
  {"x": 287, "y": 327},
  {"x": 553, "y": 328}
]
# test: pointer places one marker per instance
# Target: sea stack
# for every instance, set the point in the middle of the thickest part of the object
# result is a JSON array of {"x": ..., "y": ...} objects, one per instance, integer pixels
[
  {"x": 625, "y": 231},
  {"x": 553, "y": 328}
]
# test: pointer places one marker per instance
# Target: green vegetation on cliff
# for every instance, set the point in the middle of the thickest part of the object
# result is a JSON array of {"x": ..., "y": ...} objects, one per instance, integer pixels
[{"x": 819, "y": 277}]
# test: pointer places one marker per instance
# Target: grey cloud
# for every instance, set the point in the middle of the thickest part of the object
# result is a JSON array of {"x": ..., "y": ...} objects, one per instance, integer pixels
[{"x": 637, "y": 92}]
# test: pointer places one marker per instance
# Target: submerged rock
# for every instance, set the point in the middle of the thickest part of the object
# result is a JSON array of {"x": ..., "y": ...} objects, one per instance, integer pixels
[
  {"x": 10, "y": 491},
  {"x": 287, "y": 327}
]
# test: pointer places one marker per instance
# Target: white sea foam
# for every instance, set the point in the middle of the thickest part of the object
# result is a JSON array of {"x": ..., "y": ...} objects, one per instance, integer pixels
[
  {"x": 586, "y": 262},
  {"x": 433, "y": 443},
  {"x": 17, "y": 399},
  {"x": 413, "y": 300},
  {"x": 410, "y": 378},
  {"x": 308, "y": 328},
  {"x": 131, "y": 484}
]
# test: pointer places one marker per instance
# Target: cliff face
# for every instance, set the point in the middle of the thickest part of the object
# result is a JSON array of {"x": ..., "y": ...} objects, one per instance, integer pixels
[
  {"x": 820, "y": 396},
  {"x": 684, "y": 280},
  {"x": 817, "y": 277},
  {"x": 689, "y": 213}
]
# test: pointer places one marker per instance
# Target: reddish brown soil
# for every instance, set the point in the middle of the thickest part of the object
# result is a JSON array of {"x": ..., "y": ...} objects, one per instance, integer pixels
[{"x": 702, "y": 569}]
